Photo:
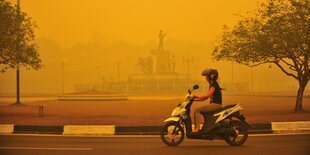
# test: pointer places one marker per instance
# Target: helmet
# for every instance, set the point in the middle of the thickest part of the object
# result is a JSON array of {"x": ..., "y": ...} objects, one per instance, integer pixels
[{"x": 211, "y": 73}]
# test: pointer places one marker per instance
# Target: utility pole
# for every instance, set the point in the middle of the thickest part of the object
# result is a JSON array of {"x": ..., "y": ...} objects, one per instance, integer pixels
[
  {"x": 188, "y": 61},
  {"x": 18, "y": 56}
]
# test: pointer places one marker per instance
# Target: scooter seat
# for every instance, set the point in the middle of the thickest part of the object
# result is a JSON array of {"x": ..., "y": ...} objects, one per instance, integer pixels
[{"x": 219, "y": 110}]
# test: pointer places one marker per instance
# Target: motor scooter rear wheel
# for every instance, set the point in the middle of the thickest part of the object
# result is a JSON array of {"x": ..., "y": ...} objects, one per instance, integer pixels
[
  {"x": 172, "y": 134},
  {"x": 238, "y": 135}
]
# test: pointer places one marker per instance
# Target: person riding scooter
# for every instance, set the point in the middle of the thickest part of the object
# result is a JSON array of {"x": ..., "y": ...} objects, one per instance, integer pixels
[
  {"x": 226, "y": 123},
  {"x": 214, "y": 94}
]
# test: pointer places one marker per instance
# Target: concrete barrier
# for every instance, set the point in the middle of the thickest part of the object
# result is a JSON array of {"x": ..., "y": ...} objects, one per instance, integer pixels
[
  {"x": 300, "y": 125},
  {"x": 38, "y": 129},
  {"x": 303, "y": 125},
  {"x": 6, "y": 128},
  {"x": 89, "y": 129}
]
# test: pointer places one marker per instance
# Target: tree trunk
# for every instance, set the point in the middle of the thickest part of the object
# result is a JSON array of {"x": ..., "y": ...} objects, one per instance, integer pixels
[
  {"x": 17, "y": 85},
  {"x": 300, "y": 94}
]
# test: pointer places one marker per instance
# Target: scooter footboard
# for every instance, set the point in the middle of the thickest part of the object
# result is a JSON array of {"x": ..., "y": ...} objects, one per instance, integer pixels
[{"x": 209, "y": 122}]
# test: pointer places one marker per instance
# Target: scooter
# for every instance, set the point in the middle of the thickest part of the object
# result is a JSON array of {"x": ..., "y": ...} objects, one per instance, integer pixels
[{"x": 225, "y": 124}]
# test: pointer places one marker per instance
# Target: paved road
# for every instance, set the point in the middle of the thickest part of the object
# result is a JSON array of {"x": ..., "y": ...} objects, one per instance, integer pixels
[{"x": 65, "y": 145}]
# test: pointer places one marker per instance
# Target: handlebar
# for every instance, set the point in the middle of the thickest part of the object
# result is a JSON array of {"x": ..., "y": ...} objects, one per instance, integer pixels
[
  {"x": 193, "y": 98},
  {"x": 190, "y": 91}
]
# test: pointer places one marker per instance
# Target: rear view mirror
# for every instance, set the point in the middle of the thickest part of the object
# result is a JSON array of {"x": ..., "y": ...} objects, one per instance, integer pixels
[{"x": 196, "y": 86}]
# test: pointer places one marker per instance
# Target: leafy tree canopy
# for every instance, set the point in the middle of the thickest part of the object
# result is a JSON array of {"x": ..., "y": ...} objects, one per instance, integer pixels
[
  {"x": 17, "y": 38},
  {"x": 278, "y": 32}
]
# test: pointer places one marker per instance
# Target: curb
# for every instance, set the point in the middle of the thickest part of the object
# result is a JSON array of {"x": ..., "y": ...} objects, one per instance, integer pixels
[
  {"x": 38, "y": 129},
  {"x": 273, "y": 127},
  {"x": 6, "y": 128},
  {"x": 279, "y": 127},
  {"x": 89, "y": 130},
  {"x": 93, "y": 97}
]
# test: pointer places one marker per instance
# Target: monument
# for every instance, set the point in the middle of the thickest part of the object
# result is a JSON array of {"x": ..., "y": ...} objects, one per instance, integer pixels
[
  {"x": 158, "y": 70},
  {"x": 160, "y": 62}
]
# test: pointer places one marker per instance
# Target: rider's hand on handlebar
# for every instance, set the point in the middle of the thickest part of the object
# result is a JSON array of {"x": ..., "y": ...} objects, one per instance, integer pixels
[{"x": 193, "y": 96}]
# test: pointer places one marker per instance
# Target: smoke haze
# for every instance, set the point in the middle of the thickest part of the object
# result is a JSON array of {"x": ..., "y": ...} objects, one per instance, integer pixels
[{"x": 83, "y": 42}]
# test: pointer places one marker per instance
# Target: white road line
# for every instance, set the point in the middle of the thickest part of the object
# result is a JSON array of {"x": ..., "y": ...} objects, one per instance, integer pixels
[{"x": 45, "y": 148}]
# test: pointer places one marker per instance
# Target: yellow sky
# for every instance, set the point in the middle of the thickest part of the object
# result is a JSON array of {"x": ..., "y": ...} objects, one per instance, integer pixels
[
  {"x": 69, "y": 31},
  {"x": 135, "y": 21}
]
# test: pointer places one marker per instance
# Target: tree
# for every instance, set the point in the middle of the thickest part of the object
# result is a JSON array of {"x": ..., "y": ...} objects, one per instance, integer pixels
[
  {"x": 17, "y": 46},
  {"x": 278, "y": 32},
  {"x": 17, "y": 39}
]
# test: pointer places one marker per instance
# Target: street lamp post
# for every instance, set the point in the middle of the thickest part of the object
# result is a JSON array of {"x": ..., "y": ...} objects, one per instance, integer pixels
[
  {"x": 252, "y": 81},
  {"x": 188, "y": 61},
  {"x": 118, "y": 64},
  {"x": 232, "y": 76},
  {"x": 98, "y": 69},
  {"x": 62, "y": 76}
]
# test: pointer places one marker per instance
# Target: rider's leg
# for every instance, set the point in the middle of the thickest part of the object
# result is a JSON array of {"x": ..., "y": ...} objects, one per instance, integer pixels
[{"x": 205, "y": 108}]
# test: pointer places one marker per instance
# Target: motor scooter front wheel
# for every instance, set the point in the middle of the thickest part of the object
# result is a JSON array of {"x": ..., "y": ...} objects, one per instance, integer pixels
[
  {"x": 172, "y": 134},
  {"x": 238, "y": 134}
]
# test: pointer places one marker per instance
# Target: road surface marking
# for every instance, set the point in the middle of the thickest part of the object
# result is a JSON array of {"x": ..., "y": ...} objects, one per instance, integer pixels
[
  {"x": 44, "y": 148},
  {"x": 89, "y": 129}
]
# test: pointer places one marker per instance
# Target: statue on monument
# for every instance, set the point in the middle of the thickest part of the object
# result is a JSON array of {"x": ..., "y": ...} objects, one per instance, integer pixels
[
  {"x": 146, "y": 64},
  {"x": 161, "y": 37}
]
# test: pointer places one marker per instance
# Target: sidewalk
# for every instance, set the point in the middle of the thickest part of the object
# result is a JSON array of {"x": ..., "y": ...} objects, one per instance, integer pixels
[{"x": 142, "y": 112}]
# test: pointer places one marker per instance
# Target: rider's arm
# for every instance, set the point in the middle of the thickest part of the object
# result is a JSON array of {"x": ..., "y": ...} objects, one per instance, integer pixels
[{"x": 206, "y": 96}]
